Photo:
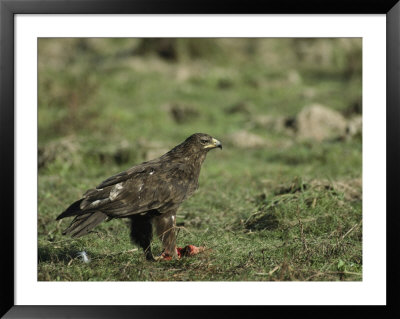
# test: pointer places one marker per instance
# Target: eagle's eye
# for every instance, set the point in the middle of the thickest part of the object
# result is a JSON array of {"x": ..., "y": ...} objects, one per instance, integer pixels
[{"x": 204, "y": 141}]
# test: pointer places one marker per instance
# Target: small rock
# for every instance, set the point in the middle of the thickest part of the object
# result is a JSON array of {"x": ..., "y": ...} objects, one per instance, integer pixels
[{"x": 320, "y": 123}]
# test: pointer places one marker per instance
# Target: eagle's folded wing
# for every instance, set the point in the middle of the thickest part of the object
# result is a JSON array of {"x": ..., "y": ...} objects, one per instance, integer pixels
[{"x": 140, "y": 192}]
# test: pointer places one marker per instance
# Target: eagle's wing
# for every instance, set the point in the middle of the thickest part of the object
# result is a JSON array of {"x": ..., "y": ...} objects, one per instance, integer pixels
[
  {"x": 123, "y": 176},
  {"x": 137, "y": 192}
]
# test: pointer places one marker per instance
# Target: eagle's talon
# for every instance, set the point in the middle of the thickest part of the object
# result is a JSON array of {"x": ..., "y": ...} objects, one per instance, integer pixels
[
  {"x": 162, "y": 258},
  {"x": 166, "y": 256}
]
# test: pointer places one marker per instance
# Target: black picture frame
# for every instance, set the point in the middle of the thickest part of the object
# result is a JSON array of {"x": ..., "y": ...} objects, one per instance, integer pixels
[{"x": 8, "y": 10}]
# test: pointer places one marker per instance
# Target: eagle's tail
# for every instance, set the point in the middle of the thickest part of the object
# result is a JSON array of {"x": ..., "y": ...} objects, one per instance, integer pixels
[
  {"x": 72, "y": 210},
  {"x": 83, "y": 221},
  {"x": 83, "y": 224}
]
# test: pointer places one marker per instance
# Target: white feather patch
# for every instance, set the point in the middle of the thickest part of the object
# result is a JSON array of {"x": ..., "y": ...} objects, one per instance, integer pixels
[
  {"x": 96, "y": 202},
  {"x": 115, "y": 191}
]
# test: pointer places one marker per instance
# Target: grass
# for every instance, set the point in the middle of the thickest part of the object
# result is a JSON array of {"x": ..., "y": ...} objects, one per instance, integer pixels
[{"x": 289, "y": 210}]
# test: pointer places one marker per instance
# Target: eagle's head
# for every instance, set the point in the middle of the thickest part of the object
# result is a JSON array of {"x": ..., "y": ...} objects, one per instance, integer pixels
[
  {"x": 200, "y": 142},
  {"x": 196, "y": 145}
]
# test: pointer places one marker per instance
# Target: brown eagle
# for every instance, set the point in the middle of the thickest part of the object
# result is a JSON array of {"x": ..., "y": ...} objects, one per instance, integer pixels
[{"x": 148, "y": 194}]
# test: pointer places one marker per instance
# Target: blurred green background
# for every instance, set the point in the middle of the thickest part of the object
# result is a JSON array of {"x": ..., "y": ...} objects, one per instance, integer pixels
[{"x": 282, "y": 201}]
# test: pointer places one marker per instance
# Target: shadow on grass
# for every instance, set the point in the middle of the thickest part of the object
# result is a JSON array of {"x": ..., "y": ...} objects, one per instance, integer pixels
[{"x": 50, "y": 254}]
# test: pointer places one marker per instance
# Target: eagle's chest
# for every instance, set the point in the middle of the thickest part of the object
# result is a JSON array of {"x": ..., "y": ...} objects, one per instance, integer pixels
[
  {"x": 193, "y": 185},
  {"x": 189, "y": 176}
]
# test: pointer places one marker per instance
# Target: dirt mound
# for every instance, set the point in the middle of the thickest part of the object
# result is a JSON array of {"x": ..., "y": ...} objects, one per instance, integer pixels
[
  {"x": 351, "y": 188},
  {"x": 289, "y": 194}
]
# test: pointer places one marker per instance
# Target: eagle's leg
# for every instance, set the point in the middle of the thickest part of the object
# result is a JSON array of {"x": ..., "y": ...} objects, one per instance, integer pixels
[
  {"x": 142, "y": 233},
  {"x": 165, "y": 228}
]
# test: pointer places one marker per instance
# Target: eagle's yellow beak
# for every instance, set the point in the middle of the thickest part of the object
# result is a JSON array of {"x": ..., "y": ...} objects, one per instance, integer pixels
[{"x": 214, "y": 143}]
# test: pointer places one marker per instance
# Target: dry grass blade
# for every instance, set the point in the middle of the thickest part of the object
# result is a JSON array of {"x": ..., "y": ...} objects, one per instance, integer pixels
[
  {"x": 349, "y": 231},
  {"x": 303, "y": 238}
]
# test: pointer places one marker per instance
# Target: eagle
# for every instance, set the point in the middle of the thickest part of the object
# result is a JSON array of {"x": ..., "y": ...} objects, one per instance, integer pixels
[{"x": 149, "y": 194}]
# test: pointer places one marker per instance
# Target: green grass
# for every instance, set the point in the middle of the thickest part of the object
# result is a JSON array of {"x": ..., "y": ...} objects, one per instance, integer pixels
[{"x": 291, "y": 210}]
